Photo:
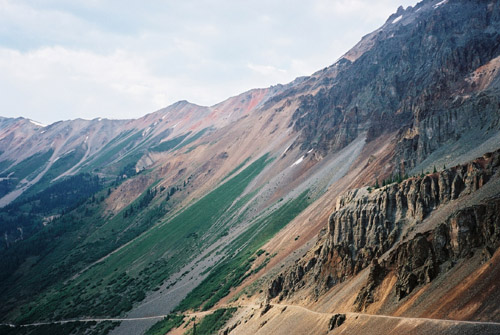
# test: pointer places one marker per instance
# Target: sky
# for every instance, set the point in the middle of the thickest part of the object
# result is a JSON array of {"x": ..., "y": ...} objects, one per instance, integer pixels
[{"x": 67, "y": 59}]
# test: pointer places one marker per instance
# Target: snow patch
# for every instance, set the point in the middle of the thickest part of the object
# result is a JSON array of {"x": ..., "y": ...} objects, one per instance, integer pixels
[
  {"x": 175, "y": 125},
  {"x": 310, "y": 151},
  {"x": 99, "y": 119},
  {"x": 38, "y": 123},
  {"x": 418, "y": 10},
  {"x": 440, "y": 4},
  {"x": 43, "y": 131},
  {"x": 397, "y": 19},
  {"x": 146, "y": 131},
  {"x": 65, "y": 154},
  {"x": 288, "y": 147},
  {"x": 86, "y": 139},
  {"x": 298, "y": 161}
]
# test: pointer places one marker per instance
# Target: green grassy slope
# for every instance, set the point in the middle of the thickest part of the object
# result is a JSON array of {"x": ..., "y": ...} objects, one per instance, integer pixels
[
  {"x": 68, "y": 245},
  {"x": 236, "y": 268},
  {"x": 27, "y": 168},
  {"x": 61, "y": 165},
  {"x": 167, "y": 324},
  {"x": 112, "y": 286},
  {"x": 29, "y": 212},
  {"x": 170, "y": 144},
  {"x": 212, "y": 323},
  {"x": 87, "y": 328},
  {"x": 121, "y": 143}
]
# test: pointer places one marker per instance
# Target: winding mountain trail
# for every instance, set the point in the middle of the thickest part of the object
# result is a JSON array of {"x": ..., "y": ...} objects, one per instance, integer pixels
[
  {"x": 199, "y": 314},
  {"x": 296, "y": 307},
  {"x": 354, "y": 314}
]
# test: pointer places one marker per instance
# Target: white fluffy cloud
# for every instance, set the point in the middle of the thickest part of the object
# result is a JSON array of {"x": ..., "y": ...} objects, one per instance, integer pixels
[{"x": 68, "y": 59}]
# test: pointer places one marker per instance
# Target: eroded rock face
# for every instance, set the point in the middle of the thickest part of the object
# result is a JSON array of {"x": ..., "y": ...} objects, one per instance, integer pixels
[
  {"x": 467, "y": 231},
  {"x": 365, "y": 296},
  {"x": 336, "y": 321},
  {"x": 415, "y": 265},
  {"x": 447, "y": 123},
  {"x": 413, "y": 80},
  {"x": 366, "y": 225}
]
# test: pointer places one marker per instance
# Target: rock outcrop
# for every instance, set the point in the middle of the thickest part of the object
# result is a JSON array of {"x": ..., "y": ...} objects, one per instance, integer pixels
[
  {"x": 336, "y": 321},
  {"x": 366, "y": 225},
  {"x": 419, "y": 260},
  {"x": 412, "y": 77}
]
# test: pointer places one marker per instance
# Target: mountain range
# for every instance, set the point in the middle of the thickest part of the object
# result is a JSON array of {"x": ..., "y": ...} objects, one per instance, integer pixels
[{"x": 362, "y": 198}]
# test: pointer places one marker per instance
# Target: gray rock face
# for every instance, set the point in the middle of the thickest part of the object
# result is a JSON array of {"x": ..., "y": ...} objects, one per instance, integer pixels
[
  {"x": 377, "y": 219},
  {"x": 418, "y": 261},
  {"x": 411, "y": 79},
  {"x": 476, "y": 116},
  {"x": 366, "y": 225}
]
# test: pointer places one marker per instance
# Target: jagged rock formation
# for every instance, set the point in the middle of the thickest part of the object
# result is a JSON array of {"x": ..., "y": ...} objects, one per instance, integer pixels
[
  {"x": 421, "y": 259},
  {"x": 413, "y": 77},
  {"x": 367, "y": 225},
  {"x": 418, "y": 261},
  {"x": 336, "y": 321}
]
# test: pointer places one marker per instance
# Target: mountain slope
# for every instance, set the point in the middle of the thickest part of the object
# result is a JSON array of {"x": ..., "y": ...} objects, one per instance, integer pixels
[{"x": 198, "y": 206}]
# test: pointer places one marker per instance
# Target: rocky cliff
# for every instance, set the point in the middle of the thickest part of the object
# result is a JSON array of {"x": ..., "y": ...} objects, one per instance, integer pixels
[
  {"x": 415, "y": 75},
  {"x": 421, "y": 259},
  {"x": 386, "y": 230}
]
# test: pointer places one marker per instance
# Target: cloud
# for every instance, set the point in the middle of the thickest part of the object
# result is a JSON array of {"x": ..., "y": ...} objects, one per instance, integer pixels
[
  {"x": 266, "y": 70},
  {"x": 25, "y": 27},
  {"x": 87, "y": 84},
  {"x": 70, "y": 83}
]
